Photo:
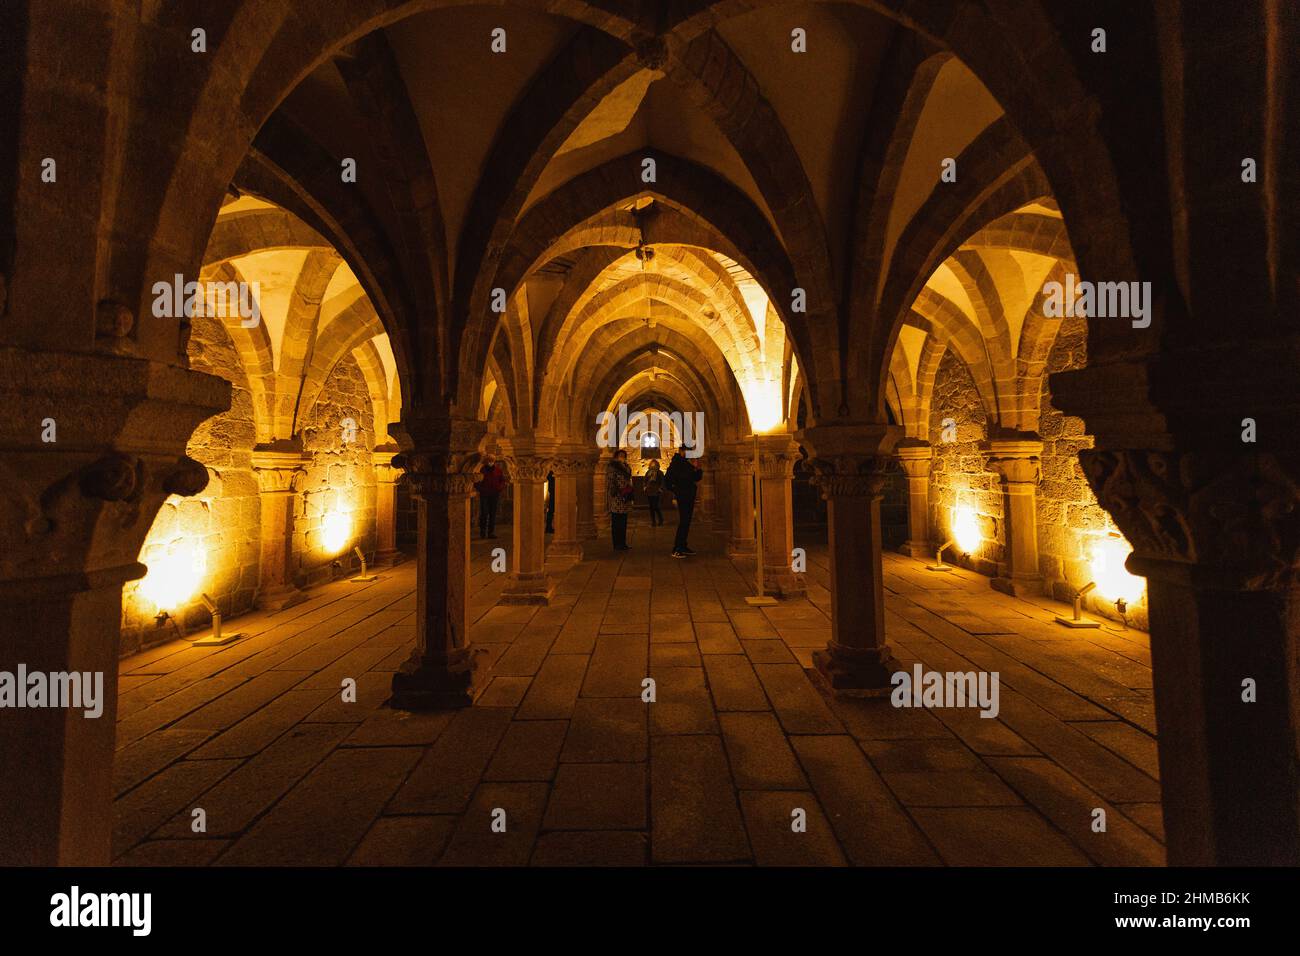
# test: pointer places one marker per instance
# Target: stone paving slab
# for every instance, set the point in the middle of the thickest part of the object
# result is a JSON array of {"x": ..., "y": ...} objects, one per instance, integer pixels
[
  {"x": 598, "y": 796},
  {"x": 607, "y": 731},
  {"x": 769, "y": 818},
  {"x": 312, "y": 826},
  {"x": 404, "y": 841},
  {"x": 695, "y": 814}
]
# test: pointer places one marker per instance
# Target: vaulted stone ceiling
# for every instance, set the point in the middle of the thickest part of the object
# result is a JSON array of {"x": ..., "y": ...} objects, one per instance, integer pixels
[{"x": 779, "y": 176}]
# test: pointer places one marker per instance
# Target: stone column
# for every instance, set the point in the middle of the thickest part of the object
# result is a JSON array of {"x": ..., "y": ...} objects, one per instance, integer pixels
[
  {"x": 91, "y": 445},
  {"x": 586, "y": 490},
  {"x": 528, "y": 582},
  {"x": 849, "y": 465},
  {"x": 1215, "y": 537},
  {"x": 386, "y": 477},
  {"x": 706, "y": 506},
  {"x": 599, "y": 500},
  {"x": 741, "y": 540},
  {"x": 1016, "y": 461},
  {"x": 439, "y": 458},
  {"x": 565, "y": 542},
  {"x": 777, "y": 456},
  {"x": 717, "y": 466},
  {"x": 280, "y": 468},
  {"x": 915, "y": 457}
]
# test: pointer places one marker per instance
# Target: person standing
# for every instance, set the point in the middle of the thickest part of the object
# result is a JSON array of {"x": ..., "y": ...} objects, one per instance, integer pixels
[
  {"x": 681, "y": 478},
  {"x": 490, "y": 485},
  {"x": 550, "y": 502},
  {"x": 654, "y": 487},
  {"x": 618, "y": 489}
]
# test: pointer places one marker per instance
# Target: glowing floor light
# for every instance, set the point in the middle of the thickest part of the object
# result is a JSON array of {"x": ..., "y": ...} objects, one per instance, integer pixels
[
  {"x": 336, "y": 529},
  {"x": 966, "y": 529},
  {"x": 964, "y": 534},
  {"x": 175, "y": 575},
  {"x": 1107, "y": 565}
]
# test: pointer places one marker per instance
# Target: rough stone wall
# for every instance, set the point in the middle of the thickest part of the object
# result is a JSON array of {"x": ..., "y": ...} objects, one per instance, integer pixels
[
  {"x": 338, "y": 434},
  {"x": 957, "y": 474},
  {"x": 1068, "y": 513},
  {"x": 212, "y": 539}
]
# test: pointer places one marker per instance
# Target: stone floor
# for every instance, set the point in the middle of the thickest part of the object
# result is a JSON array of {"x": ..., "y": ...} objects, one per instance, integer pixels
[{"x": 257, "y": 737}]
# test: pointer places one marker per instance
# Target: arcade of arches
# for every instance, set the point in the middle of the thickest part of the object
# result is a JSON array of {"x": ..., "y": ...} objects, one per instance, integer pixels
[{"x": 832, "y": 249}]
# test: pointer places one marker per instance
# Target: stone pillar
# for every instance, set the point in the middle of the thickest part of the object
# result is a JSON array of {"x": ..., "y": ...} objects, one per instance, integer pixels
[
  {"x": 915, "y": 457},
  {"x": 600, "y": 501},
  {"x": 777, "y": 457},
  {"x": 566, "y": 541},
  {"x": 386, "y": 477},
  {"x": 706, "y": 506},
  {"x": 741, "y": 541},
  {"x": 1016, "y": 461},
  {"x": 528, "y": 582},
  {"x": 91, "y": 445},
  {"x": 1215, "y": 537},
  {"x": 718, "y": 467},
  {"x": 439, "y": 458},
  {"x": 280, "y": 468},
  {"x": 849, "y": 465},
  {"x": 586, "y": 491}
]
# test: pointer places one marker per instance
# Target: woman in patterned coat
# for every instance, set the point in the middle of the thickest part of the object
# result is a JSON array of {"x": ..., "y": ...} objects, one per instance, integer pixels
[{"x": 618, "y": 489}]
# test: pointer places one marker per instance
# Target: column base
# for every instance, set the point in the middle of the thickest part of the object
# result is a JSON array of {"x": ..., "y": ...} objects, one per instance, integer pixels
[
  {"x": 386, "y": 559},
  {"x": 277, "y": 599},
  {"x": 528, "y": 589},
  {"x": 783, "y": 583},
  {"x": 856, "y": 672},
  {"x": 916, "y": 549},
  {"x": 740, "y": 547},
  {"x": 423, "y": 684},
  {"x": 1017, "y": 586},
  {"x": 565, "y": 551}
]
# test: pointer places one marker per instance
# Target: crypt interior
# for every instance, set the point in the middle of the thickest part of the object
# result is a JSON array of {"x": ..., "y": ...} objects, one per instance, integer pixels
[{"x": 830, "y": 231}]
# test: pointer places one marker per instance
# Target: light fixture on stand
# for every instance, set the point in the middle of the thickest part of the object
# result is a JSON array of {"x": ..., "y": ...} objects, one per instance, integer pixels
[
  {"x": 938, "y": 557},
  {"x": 966, "y": 537},
  {"x": 363, "y": 577},
  {"x": 216, "y": 638},
  {"x": 1078, "y": 620},
  {"x": 762, "y": 598}
]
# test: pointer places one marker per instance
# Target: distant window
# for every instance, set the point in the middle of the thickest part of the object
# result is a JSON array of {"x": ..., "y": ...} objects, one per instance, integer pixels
[{"x": 649, "y": 440}]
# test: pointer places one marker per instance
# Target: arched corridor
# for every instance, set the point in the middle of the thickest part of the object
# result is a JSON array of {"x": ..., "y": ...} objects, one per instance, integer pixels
[{"x": 964, "y": 335}]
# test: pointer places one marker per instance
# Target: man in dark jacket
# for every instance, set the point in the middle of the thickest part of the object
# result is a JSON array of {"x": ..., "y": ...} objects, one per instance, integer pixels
[
  {"x": 492, "y": 482},
  {"x": 681, "y": 479}
]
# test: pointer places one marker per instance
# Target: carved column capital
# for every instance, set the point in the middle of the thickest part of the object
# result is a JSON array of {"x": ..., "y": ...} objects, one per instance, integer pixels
[
  {"x": 528, "y": 467},
  {"x": 1015, "y": 460},
  {"x": 1236, "y": 518},
  {"x": 915, "y": 457},
  {"x": 438, "y": 472},
  {"x": 279, "y": 471},
  {"x": 777, "y": 456},
  {"x": 570, "y": 464},
  {"x": 850, "y": 476},
  {"x": 850, "y": 459},
  {"x": 385, "y": 472}
]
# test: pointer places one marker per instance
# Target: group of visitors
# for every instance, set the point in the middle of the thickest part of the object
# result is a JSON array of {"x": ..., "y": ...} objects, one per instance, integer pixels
[{"x": 681, "y": 479}]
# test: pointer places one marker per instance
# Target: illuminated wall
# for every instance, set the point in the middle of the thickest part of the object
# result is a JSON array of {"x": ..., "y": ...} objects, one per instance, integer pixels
[
  {"x": 211, "y": 542},
  {"x": 957, "y": 475},
  {"x": 336, "y": 510},
  {"x": 1073, "y": 543},
  {"x": 1070, "y": 522}
]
